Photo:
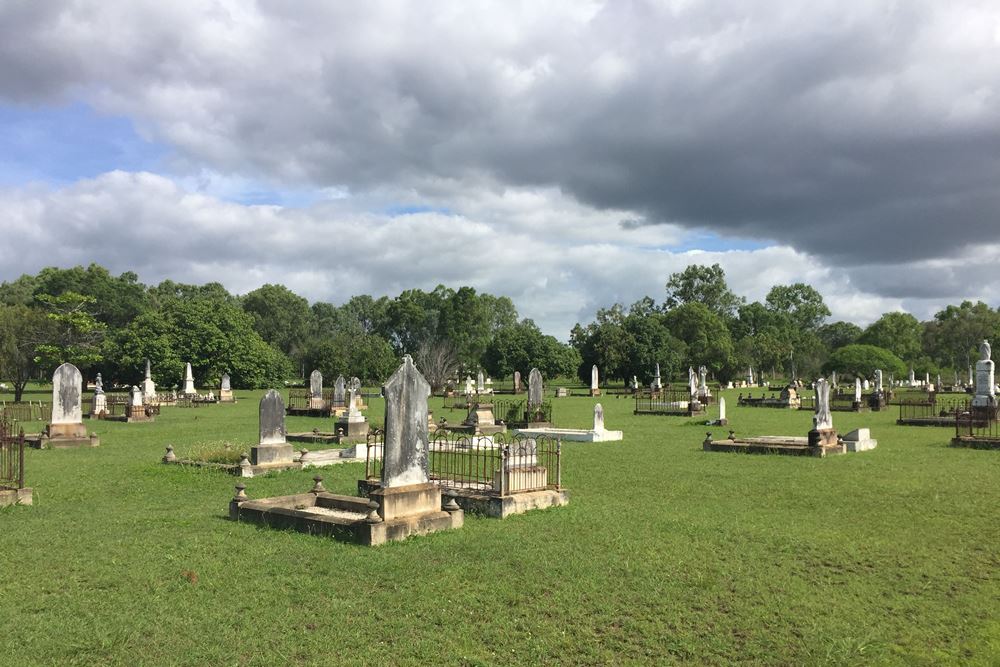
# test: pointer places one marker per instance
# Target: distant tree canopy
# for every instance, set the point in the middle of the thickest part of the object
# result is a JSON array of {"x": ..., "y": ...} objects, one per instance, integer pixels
[{"x": 112, "y": 324}]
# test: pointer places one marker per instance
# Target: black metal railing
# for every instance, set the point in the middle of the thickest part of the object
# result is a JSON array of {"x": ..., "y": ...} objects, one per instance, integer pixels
[
  {"x": 941, "y": 408},
  {"x": 667, "y": 401},
  {"x": 980, "y": 423},
  {"x": 11, "y": 456},
  {"x": 497, "y": 465},
  {"x": 518, "y": 414}
]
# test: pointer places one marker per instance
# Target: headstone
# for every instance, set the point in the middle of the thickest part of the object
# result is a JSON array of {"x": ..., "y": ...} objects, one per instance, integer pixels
[
  {"x": 100, "y": 403},
  {"x": 188, "y": 381},
  {"x": 927, "y": 378},
  {"x": 938, "y": 387},
  {"x": 517, "y": 382},
  {"x": 534, "y": 388},
  {"x": 594, "y": 380},
  {"x": 99, "y": 385},
  {"x": 913, "y": 379},
  {"x": 470, "y": 386},
  {"x": 857, "y": 390},
  {"x": 656, "y": 385},
  {"x": 833, "y": 380},
  {"x": 878, "y": 381},
  {"x": 722, "y": 410},
  {"x": 480, "y": 383},
  {"x": 338, "y": 391},
  {"x": 148, "y": 386},
  {"x": 703, "y": 381},
  {"x": 355, "y": 386},
  {"x": 598, "y": 417},
  {"x": 272, "y": 447},
  {"x": 985, "y": 382},
  {"x": 859, "y": 440},
  {"x": 822, "y": 419},
  {"x": 405, "y": 450},
  {"x": 692, "y": 382},
  {"x": 635, "y": 383},
  {"x": 972, "y": 381},
  {"x": 315, "y": 384},
  {"x": 865, "y": 384},
  {"x": 226, "y": 383},
  {"x": 67, "y": 382},
  {"x": 750, "y": 381}
]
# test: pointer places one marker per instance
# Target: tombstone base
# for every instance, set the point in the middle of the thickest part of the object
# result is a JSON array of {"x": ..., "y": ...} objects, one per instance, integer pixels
[
  {"x": 137, "y": 413},
  {"x": 407, "y": 501},
  {"x": 489, "y": 505},
  {"x": 343, "y": 517},
  {"x": 317, "y": 403},
  {"x": 44, "y": 441},
  {"x": 263, "y": 455},
  {"x": 226, "y": 396},
  {"x": 15, "y": 497},
  {"x": 352, "y": 429},
  {"x": 595, "y": 392}
]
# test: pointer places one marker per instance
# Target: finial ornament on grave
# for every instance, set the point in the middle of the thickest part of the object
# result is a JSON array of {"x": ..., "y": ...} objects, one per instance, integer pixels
[{"x": 405, "y": 449}]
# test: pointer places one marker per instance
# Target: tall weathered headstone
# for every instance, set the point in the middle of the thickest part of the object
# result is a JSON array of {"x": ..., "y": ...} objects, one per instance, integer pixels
[
  {"x": 148, "y": 386},
  {"x": 913, "y": 378},
  {"x": 316, "y": 384},
  {"x": 703, "y": 381},
  {"x": 857, "y": 390},
  {"x": 692, "y": 383},
  {"x": 517, "y": 382},
  {"x": 189, "y": 389},
  {"x": 938, "y": 386},
  {"x": 272, "y": 447},
  {"x": 595, "y": 386},
  {"x": 405, "y": 452},
  {"x": 722, "y": 411},
  {"x": 878, "y": 381},
  {"x": 985, "y": 378},
  {"x": 136, "y": 397},
  {"x": 226, "y": 383},
  {"x": 598, "y": 417},
  {"x": 822, "y": 433},
  {"x": 534, "y": 388},
  {"x": 833, "y": 380},
  {"x": 656, "y": 385},
  {"x": 470, "y": 385},
  {"x": 67, "y": 409},
  {"x": 339, "y": 396}
]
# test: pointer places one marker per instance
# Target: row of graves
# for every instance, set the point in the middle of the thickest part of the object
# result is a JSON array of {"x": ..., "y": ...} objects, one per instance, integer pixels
[
  {"x": 690, "y": 400},
  {"x": 822, "y": 440},
  {"x": 866, "y": 396},
  {"x": 415, "y": 482},
  {"x": 317, "y": 401},
  {"x": 978, "y": 426}
]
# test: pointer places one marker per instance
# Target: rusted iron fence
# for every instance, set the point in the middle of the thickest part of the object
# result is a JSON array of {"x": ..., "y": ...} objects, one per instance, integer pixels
[
  {"x": 301, "y": 399},
  {"x": 11, "y": 456},
  {"x": 941, "y": 408},
  {"x": 979, "y": 423},
  {"x": 518, "y": 414},
  {"x": 497, "y": 465},
  {"x": 27, "y": 411},
  {"x": 667, "y": 401}
]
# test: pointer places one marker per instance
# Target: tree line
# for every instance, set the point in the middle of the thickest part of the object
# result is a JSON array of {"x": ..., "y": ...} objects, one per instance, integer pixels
[
  {"x": 112, "y": 324},
  {"x": 702, "y": 322}
]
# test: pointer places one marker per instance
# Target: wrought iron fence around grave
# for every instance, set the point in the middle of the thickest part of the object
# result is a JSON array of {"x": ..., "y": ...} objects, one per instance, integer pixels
[
  {"x": 11, "y": 456},
  {"x": 667, "y": 401},
  {"x": 518, "y": 414},
  {"x": 942, "y": 408},
  {"x": 456, "y": 402},
  {"x": 26, "y": 411},
  {"x": 978, "y": 423},
  {"x": 496, "y": 465},
  {"x": 301, "y": 399}
]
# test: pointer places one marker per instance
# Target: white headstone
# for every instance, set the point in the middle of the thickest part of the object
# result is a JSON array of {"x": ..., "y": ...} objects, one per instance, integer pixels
[
  {"x": 67, "y": 383},
  {"x": 878, "y": 381},
  {"x": 480, "y": 383},
  {"x": 722, "y": 408},
  {"x": 692, "y": 382},
  {"x": 148, "y": 386},
  {"x": 405, "y": 452},
  {"x": 703, "y": 381},
  {"x": 272, "y": 419},
  {"x": 136, "y": 397},
  {"x": 470, "y": 386},
  {"x": 338, "y": 391},
  {"x": 985, "y": 382},
  {"x": 594, "y": 379},
  {"x": 316, "y": 384},
  {"x": 598, "y": 418},
  {"x": 226, "y": 383},
  {"x": 656, "y": 386},
  {"x": 822, "y": 419},
  {"x": 857, "y": 390},
  {"x": 188, "y": 380}
]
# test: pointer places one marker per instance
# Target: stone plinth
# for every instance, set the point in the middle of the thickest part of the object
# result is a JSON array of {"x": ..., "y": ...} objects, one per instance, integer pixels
[
  {"x": 226, "y": 396},
  {"x": 355, "y": 428},
  {"x": 859, "y": 440},
  {"x": 15, "y": 497},
  {"x": 262, "y": 455},
  {"x": 400, "y": 502}
]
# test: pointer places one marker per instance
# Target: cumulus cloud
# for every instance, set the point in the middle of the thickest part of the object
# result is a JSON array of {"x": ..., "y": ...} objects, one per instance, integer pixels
[{"x": 331, "y": 251}]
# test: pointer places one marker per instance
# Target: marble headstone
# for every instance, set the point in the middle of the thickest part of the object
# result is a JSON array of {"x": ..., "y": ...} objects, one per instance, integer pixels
[
  {"x": 598, "y": 417},
  {"x": 822, "y": 419},
  {"x": 517, "y": 382},
  {"x": 656, "y": 386},
  {"x": 188, "y": 380},
  {"x": 338, "y": 391},
  {"x": 99, "y": 385},
  {"x": 480, "y": 383},
  {"x": 878, "y": 381},
  {"x": 405, "y": 450},
  {"x": 594, "y": 378},
  {"x": 722, "y": 409},
  {"x": 857, "y": 390},
  {"x": 226, "y": 383},
  {"x": 67, "y": 383},
  {"x": 703, "y": 381},
  {"x": 272, "y": 419},
  {"x": 136, "y": 397},
  {"x": 985, "y": 382},
  {"x": 316, "y": 384},
  {"x": 148, "y": 386},
  {"x": 535, "y": 387}
]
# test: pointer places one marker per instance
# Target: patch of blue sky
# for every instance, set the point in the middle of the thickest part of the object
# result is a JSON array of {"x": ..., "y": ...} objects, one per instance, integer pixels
[
  {"x": 711, "y": 242},
  {"x": 59, "y": 145},
  {"x": 411, "y": 209}
]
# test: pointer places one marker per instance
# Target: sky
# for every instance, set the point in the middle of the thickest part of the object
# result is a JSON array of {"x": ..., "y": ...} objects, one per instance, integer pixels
[{"x": 569, "y": 155}]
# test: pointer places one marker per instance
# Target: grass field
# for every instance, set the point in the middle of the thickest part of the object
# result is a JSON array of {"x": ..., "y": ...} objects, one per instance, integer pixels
[{"x": 666, "y": 554}]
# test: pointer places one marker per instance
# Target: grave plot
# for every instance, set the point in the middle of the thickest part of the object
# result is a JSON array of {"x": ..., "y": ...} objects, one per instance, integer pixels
[
  {"x": 405, "y": 503},
  {"x": 821, "y": 441},
  {"x": 596, "y": 434},
  {"x": 935, "y": 411},
  {"x": 667, "y": 401},
  {"x": 492, "y": 475},
  {"x": 788, "y": 399},
  {"x": 12, "y": 488},
  {"x": 65, "y": 428},
  {"x": 978, "y": 426}
]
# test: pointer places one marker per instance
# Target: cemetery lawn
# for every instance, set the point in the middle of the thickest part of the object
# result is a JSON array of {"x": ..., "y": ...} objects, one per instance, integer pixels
[{"x": 665, "y": 554}]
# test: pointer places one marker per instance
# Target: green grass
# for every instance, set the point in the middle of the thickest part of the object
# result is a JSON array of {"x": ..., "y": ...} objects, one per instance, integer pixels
[{"x": 666, "y": 554}]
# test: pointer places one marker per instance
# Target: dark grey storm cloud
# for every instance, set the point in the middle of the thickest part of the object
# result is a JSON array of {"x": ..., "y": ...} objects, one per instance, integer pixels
[{"x": 863, "y": 133}]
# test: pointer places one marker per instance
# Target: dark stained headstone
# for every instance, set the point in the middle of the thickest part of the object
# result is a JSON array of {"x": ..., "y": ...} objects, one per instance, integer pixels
[
  {"x": 272, "y": 419},
  {"x": 67, "y": 383},
  {"x": 534, "y": 387},
  {"x": 517, "y": 382},
  {"x": 316, "y": 384},
  {"x": 338, "y": 390},
  {"x": 404, "y": 457}
]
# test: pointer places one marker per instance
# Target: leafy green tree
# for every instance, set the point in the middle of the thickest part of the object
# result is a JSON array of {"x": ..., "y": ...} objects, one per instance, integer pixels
[
  {"x": 952, "y": 338},
  {"x": 602, "y": 342},
  {"x": 365, "y": 356},
  {"x": 863, "y": 360},
  {"x": 21, "y": 330},
  {"x": 648, "y": 343},
  {"x": 116, "y": 300},
  {"x": 705, "y": 335},
  {"x": 803, "y": 304},
  {"x": 838, "y": 334},
  {"x": 280, "y": 316},
  {"x": 522, "y": 346},
  {"x": 705, "y": 285},
  {"x": 74, "y": 336},
  {"x": 900, "y": 333}
]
